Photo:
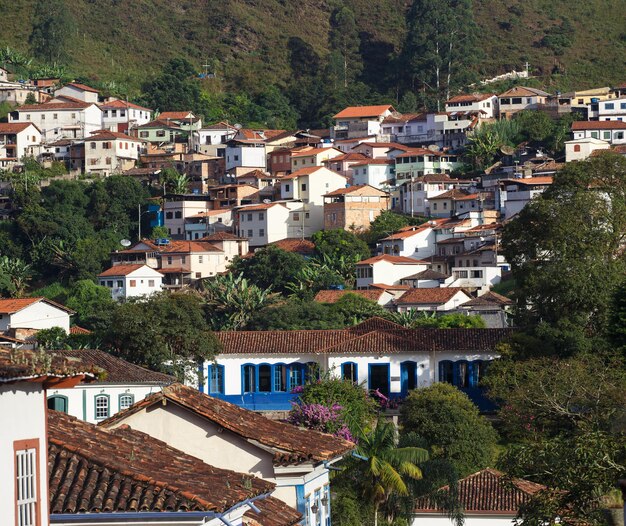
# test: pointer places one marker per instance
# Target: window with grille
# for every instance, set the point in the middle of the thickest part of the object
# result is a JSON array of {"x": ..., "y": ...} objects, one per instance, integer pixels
[
  {"x": 126, "y": 400},
  {"x": 102, "y": 407},
  {"x": 26, "y": 483}
]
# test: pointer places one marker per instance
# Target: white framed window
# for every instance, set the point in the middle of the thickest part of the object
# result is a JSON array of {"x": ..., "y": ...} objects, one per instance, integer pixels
[
  {"x": 27, "y": 482},
  {"x": 126, "y": 400},
  {"x": 101, "y": 407}
]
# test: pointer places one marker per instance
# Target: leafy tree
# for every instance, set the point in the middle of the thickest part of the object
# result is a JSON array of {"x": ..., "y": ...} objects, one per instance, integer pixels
[
  {"x": 167, "y": 332},
  {"x": 355, "y": 308},
  {"x": 270, "y": 267},
  {"x": 339, "y": 242},
  {"x": 93, "y": 304},
  {"x": 535, "y": 126},
  {"x": 14, "y": 276},
  {"x": 565, "y": 250},
  {"x": 296, "y": 314},
  {"x": 174, "y": 89},
  {"x": 276, "y": 111},
  {"x": 485, "y": 143},
  {"x": 451, "y": 425},
  {"x": 448, "y": 321},
  {"x": 312, "y": 278},
  {"x": 344, "y": 41},
  {"x": 440, "y": 50},
  {"x": 160, "y": 232},
  {"x": 51, "y": 339},
  {"x": 386, "y": 468},
  {"x": 233, "y": 300},
  {"x": 52, "y": 25},
  {"x": 387, "y": 223}
]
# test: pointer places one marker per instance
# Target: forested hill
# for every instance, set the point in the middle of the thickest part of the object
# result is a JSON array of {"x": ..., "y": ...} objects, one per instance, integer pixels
[{"x": 252, "y": 43}]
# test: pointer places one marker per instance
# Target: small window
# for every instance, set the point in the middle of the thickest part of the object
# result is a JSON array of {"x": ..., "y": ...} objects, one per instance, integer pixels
[
  {"x": 265, "y": 378},
  {"x": 261, "y": 232},
  {"x": 58, "y": 403},
  {"x": 169, "y": 260},
  {"x": 249, "y": 378},
  {"x": 286, "y": 188},
  {"x": 577, "y": 147},
  {"x": 120, "y": 284},
  {"x": 133, "y": 282},
  {"x": 151, "y": 283},
  {"x": 110, "y": 284},
  {"x": 101, "y": 407},
  {"x": 609, "y": 106},
  {"x": 169, "y": 215},
  {"x": 250, "y": 233},
  {"x": 349, "y": 372},
  {"x": 92, "y": 145},
  {"x": 446, "y": 372},
  {"x": 249, "y": 217},
  {"x": 27, "y": 482},
  {"x": 216, "y": 379},
  {"x": 304, "y": 187},
  {"x": 200, "y": 259},
  {"x": 178, "y": 214},
  {"x": 280, "y": 378},
  {"x": 126, "y": 400},
  {"x": 261, "y": 216}
]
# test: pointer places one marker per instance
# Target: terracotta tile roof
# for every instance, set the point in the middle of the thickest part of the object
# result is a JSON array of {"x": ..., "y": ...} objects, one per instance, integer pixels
[
  {"x": 75, "y": 329},
  {"x": 352, "y": 156},
  {"x": 82, "y": 87},
  {"x": 247, "y": 343},
  {"x": 121, "y": 270},
  {"x": 12, "y": 305},
  {"x": 52, "y": 106},
  {"x": 387, "y": 145},
  {"x": 297, "y": 245},
  {"x": 396, "y": 260},
  {"x": 332, "y": 296},
  {"x": 429, "y": 296},
  {"x": 14, "y": 127},
  {"x": 95, "y": 470},
  {"x": 360, "y": 189},
  {"x": 455, "y": 194},
  {"x": 376, "y": 323},
  {"x": 290, "y": 444},
  {"x": 427, "y": 274},
  {"x": 353, "y": 112},
  {"x": 531, "y": 180},
  {"x": 274, "y": 512},
  {"x": 380, "y": 160},
  {"x": 116, "y": 370},
  {"x": 254, "y": 208},
  {"x": 405, "y": 117},
  {"x": 477, "y": 97},
  {"x": 222, "y": 236},
  {"x": 489, "y": 298},
  {"x": 176, "y": 115},
  {"x": 385, "y": 286},
  {"x": 598, "y": 125},
  {"x": 42, "y": 366},
  {"x": 410, "y": 231},
  {"x": 116, "y": 104},
  {"x": 313, "y": 151},
  {"x": 106, "y": 135},
  {"x": 488, "y": 491},
  {"x": 256, "y": 174},
  {"x": 181, "y": 247},
  {"x": 303, "y": 172},
  {"x": 522, "y": 91}
]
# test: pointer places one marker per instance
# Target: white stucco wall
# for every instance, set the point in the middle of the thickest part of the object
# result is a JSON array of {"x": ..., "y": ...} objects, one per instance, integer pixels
[
  {"x": 23, "y": 412},
  {"x": 39, "y": 315},
  {"x": 430, "y": 519}
]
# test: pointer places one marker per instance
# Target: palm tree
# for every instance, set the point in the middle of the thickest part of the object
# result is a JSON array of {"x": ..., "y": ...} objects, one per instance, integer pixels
[
  {"x": 386, "y": 465},
  {"x": 16, "y": 273}
]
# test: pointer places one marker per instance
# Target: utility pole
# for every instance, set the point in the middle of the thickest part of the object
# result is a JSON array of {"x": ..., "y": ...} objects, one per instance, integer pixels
[{"x": 139, "y": 221}]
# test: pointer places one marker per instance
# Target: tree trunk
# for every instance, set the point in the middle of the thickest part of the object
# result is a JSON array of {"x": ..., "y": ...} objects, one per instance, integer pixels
[
  {"x": 449, "y": 69},
  {"x": 376, "y": 514}
]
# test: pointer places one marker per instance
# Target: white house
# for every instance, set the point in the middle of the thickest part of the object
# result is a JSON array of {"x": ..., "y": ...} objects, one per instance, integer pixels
[
  {"x": 131, "y": 281},
  {"x": 204, "y": 223},
  {"x": 608, "y": 110},
  {"x": 19, "y": 139},
  {"x": 265, "y": 223},
  {"x": 260, "y": 369},
  {"x": 378, "y": 173},
  {"x": 78, "y": 91},
  {"x": 359, "y": 121},
  {"x": 126, "y": 477},
  {"x": 24, "y": 378},
  {"x": 122, "y": 116},
  {"x": 230, "y": 437},
  {"x": 432, "y": 299},
  {"x": 484, "y": 103},
  {"x": 386, "y": 269},
  {"x": 121, "y": 386},
  {"x": 60, "y": 120},
  {"x": 415, "y": 194},
  {"x": 212, "y": 139},
  {"x": 512, "y": 195},
  {"x": 520, "y": 98},
  {"x": 614, "y": 132},
  {"x": 309, "y": 157},
  {"x": 22, "y": 314},
  {"x": 418, "y": 242},
  {"x": 488, "y": 498},
  {"x": 109, "y": 152},
  {"x": 581, "y": 149}
]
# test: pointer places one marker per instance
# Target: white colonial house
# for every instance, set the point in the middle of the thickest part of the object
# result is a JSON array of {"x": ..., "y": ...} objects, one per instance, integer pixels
[
  {"x": 122, "y": 116},
  {"x": 386, "y": 269},
  {"x": 359, "y": 121},
  {"x": 74, "y": 90},
  {"x": 488, "y": 498},
  {"x": 19, "y": 315},
  {"x": 230, "y": 437},
  {"x": 581, "y": 149},
  {"x": 485, "y": 104},
  {"x": 19, "y": 139},
  {"x": 417, "y": 242},
  {"x": 131, "y": 281},
  {"x": 432, "y": 299},
  {"x": 60, "y": 120},
  {"x": 117, "y": 389},
  {"x": 259, "y": 370},
  {"x": 24, "y": 378},
  {"x": 108, "y": 152},
  {"x": 612, "y": 131}
]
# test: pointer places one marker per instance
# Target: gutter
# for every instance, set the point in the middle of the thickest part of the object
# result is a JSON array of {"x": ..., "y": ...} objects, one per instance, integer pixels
[{"x": 154, "y": 516}]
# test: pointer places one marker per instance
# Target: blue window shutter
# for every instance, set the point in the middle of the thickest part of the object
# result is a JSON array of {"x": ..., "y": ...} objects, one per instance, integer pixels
[
  {"x": 471, "y": 376},
  {"x": 300, "y": 501},
  {"x": 456, "y": 380}
]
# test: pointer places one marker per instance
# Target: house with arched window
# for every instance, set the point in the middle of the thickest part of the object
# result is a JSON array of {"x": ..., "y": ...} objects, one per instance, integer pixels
[{"x": 262, "y": 370}]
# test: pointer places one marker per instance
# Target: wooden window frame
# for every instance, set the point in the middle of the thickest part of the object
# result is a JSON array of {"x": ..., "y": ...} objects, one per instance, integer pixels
[{"x": 24, "y": 445}]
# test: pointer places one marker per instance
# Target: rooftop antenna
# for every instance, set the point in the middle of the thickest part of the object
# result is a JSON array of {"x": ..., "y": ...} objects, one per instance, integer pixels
[{"x": 125, "y": 242}]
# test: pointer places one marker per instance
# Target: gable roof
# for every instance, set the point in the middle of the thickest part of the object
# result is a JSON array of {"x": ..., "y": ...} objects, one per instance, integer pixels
[
  {"x": 15, "y": 127},
  {"x": 488, "y": 491},
  {"x": 489, "y": 298},
  {"x": 52, "y": 106},
  {"x": 289, "y": 444},
  {"x": 427, "y": 274},
  {"x": 396, "y": 260},
  {"x": 363, "y": 111},
  {"x": 476, "y": 97},
  {"x": 117, "y": 103},
  {"x": 455, "y": 194},
  {"x": 359, "y": 189},
  {"x": 332, "y": 295},
  {"x": 116, "y": 370},
  {"x": 304, "y": 172},
  {"x": 313, "y": 151},
  {"x": 13, "y": 305},
  {"x": 92, "y": 469},
  {"x": 42, "y": 366},
  {"x": 429, "y": 296},
  {"x": 176, "y": 115},
  {"x": 82, "y": 87},
  {"x": 123, "y": 270},
  {"x": 106, "y": 135},
  {"x": 598, "y": 125},
  {"x": 524, "y": 91}
]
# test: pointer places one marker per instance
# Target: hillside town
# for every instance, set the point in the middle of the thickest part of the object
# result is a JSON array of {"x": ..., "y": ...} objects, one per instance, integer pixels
[{"x": 401, "y": 318}]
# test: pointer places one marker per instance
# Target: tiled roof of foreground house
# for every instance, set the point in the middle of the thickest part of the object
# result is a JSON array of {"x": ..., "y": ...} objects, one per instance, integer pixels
[
  {"x": 387, "y": 339},
  {"x": 97, "y": 470},
  {"x": 487, "y": 491},
  {"x": 117, "y": 370},
  {"x": 16, "y": 365},
  {"x": 428, "y": 296},
  {"x": 290, "y": 444}
]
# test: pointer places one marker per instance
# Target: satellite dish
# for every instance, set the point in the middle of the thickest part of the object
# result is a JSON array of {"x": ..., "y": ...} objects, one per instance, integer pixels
[
  {"x": 125, "y": 243},
  {"x": 433, "y": 148},
  {"x": 507, "y": 150},
  {"x": 238, "y": 126}
]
